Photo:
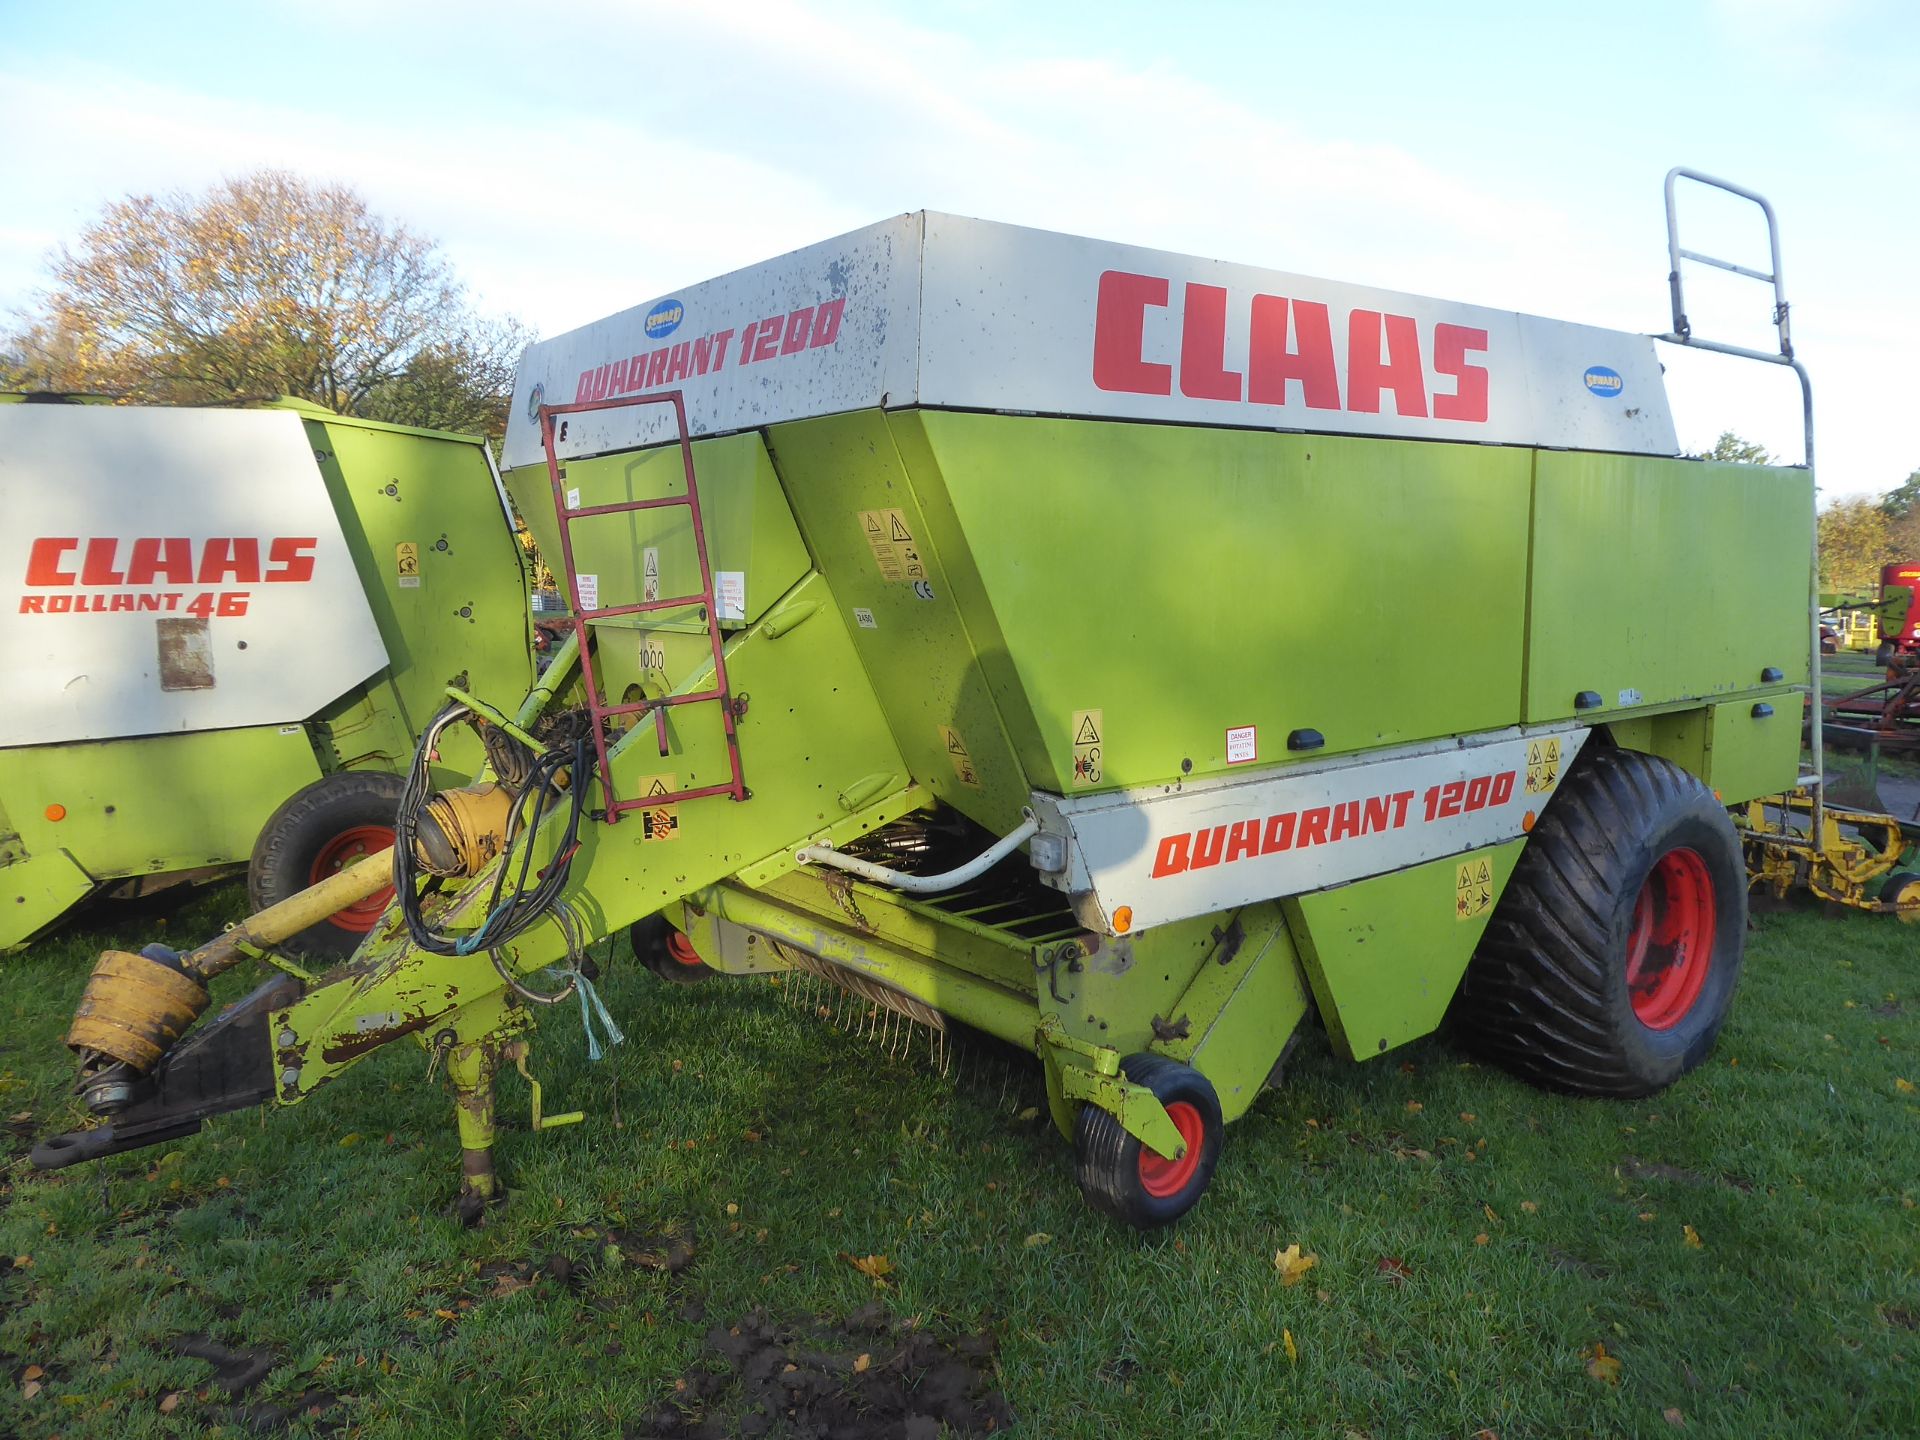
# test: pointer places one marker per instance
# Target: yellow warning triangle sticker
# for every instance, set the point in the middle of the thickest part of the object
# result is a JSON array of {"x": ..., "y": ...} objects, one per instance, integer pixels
[
  {"x": 954, "y": 747},
  {"x": 657, "y": 788},
  {"x": 872, "y": 517},
  {"x": 1087, "y": 735},
  {"x": 899, "y": 530}
]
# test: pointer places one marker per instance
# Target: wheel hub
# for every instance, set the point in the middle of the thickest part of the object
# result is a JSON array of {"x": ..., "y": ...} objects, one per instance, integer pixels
[
  {"x": 1670, "y": 941},
  {"x": 1161, "y": 1177},
  {"x": 343, "y": 850}
]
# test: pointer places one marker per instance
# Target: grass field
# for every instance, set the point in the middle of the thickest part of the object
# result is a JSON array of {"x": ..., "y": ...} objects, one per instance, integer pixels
[{"x": 1746, "y": 1247}]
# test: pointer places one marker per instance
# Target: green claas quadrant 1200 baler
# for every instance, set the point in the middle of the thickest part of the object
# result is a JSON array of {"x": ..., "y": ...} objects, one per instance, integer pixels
[{"x": 1133, "y": 656}]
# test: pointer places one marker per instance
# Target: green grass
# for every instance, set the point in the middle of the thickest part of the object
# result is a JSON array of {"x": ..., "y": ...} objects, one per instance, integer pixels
[{"x": 1523, "y": 1230}]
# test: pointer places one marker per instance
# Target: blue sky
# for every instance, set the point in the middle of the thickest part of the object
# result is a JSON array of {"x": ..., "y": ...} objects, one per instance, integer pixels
[{"x": 576, "y": 158}]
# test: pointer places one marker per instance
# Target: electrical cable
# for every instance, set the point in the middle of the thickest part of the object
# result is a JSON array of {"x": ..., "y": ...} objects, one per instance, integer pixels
[{"x": 509, "y": 913}]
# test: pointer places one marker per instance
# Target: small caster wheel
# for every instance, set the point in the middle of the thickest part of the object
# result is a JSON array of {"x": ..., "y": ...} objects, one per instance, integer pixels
[
  {"x": 1126, "y": 1179},
  {"x": 667, "y": 952},
  {"x": 1903, "y": 888}
]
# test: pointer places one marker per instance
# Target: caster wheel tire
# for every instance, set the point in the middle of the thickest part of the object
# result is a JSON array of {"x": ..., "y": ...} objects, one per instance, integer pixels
[
  {"x": 1128, "y": 1180},
  {"x": 321, "y": 830},
  {"x": 1611, "y": 960},
  {"x": 1903, "y": 888},
  {"x": 667, "y": 952}
]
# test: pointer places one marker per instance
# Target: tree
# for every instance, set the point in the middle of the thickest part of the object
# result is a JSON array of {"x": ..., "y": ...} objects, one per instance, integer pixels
[
  {"x": 1854, "y": 544},
  {"x": 1730, "y": 447},
  {"x": 1903, "y": 500},
  {"x": 267, "y": 285}
]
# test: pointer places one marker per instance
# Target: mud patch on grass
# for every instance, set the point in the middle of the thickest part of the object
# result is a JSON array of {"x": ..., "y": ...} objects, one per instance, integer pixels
[
  {"x": 870, "y": 1376},
  {"x": 237, "y": 1373},
  {"x": 1632, "y": 1167}
]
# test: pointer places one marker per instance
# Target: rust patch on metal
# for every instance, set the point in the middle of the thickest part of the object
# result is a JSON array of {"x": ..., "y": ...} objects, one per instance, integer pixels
[
  {"x": 355, "y": 1046},
  {"x": 186, "y": 653}
]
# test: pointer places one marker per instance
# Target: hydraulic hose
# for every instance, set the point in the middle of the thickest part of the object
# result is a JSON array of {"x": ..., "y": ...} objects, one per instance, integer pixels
[{"x": 924, "y": 884}]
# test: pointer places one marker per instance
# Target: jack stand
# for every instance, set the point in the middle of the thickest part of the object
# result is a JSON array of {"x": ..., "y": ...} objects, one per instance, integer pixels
[{"x": 471, "y": 1067}]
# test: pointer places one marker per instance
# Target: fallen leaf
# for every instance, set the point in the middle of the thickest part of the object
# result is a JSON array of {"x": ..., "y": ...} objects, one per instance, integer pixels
[
  {"x": 1692, "y": 1238},
  {"x": 1481, "y": 1238},
  {"x": 1486, "y": 1435},
  {"x": 1905, "y": 1087},
  {"x": 1414, "y": 1107},
  {"x": 1602, "y": 1366},
  {"x": 170, "y": 1401},
  {"x": 1673, "y": 1417},
  {"x": 1488, "y": 1211},
  {"x": 32, "y": 1372},
  {"x": 1292, "y": 1265},
  {"x": 446, "y": 1314},
  {"x": 753, "y": 1136},
  {"x": 31, "y": 1389},
  {"x": 1529, "y": 1207},
  {"x": 1467, "y": 1117},
  {"x": 862, "y": 1363},
  {"x": 732, "y": 1208},
  {"x": 1039, "y": 1237},
  {"x": 1031, "y": 1113},
  {"x": 1646, "y": 1215},
  {"x": 1293, "y": 1351},
  {"x": 875, "y": 1267},
  {"x": 1393, "y": 1267},
  {"x": 352, "y": 1138}
]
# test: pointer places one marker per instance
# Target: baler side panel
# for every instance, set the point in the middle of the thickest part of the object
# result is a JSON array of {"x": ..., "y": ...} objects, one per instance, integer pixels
[
  {"x": 157, "y": 803},
  {"x": 1185, "y": 581},
  {"x": 1657, "y": 581},
  {"x": 918, "y": 652},
  {"x": 443, "y": 574},
  {"x": 1385, "y": 955}
]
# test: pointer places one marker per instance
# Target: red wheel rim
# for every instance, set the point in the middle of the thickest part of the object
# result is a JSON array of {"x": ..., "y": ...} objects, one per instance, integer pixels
[
  {"x": 1670, "y": 943},
  {"x": 1161, "y": 1177},
  {"x": 681, "y": 949},
  {"x": 340, "y": 852}
]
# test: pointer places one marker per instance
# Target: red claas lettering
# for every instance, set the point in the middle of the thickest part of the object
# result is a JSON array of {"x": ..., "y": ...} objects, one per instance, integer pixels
[{"x": 1289, "y": 357}]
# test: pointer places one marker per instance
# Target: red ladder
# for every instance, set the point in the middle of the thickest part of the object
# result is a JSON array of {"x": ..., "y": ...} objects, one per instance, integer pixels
[{"x": 597, "y": 707}]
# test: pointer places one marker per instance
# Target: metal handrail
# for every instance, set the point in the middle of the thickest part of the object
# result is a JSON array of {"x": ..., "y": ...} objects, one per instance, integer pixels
[{"x": 1682, "y": 334}]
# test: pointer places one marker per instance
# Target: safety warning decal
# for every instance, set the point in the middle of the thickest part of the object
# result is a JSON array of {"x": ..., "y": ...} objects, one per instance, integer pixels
[
  {"x": 1089, "y": 729},
  {"x": 1243, "y": 744},
  {"x": 1543, "y": 764},
  {"x": 895, "y": 550},
  {"x": 406, "y": 564},
  {"x": 956, "y": 749},
  {"x": 589, "y": 586},
  {"x": 659, "y": 822},
  {"x": 650, "y": 574},
  {"x": 1473, "y": 888}
]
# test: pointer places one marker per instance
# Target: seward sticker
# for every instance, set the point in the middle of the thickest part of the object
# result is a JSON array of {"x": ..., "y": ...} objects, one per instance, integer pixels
[
  {"x": 730, "y": 594},
  {"x": 573, "y": 499},
  {"x": 863, "y": 617},
  {"x": 1089, "y": 744},
  {"x": 1472, "y": 888},
  {"x": 956, "y": 749},
  {"x": 589, "y": 588},
  {"x": 406, "y": 564},
  {"x": 1242, "y": 745},
  {"x": 662, "y": 821}
]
